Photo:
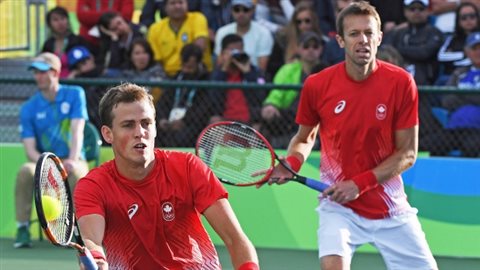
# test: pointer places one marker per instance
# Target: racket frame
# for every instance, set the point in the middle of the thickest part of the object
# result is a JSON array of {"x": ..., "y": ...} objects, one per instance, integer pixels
[
  {"x": 268, "y": 172},
  {"x": 85, "y": 255},
  {"x": 38, "y": 199},
  {"x": 312, "y": 183}
]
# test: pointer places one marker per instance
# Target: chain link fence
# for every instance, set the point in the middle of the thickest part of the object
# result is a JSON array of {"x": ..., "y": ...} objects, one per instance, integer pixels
[{"x": 436, "y": 135}]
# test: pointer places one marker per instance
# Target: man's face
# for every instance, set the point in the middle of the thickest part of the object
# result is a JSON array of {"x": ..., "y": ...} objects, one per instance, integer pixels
[
  {"x": 176, "y": 9},
  {"x": 45, "y": 79},
  {"x": 416, "y": 13},
  {"x": 361, "y": 39},
  {"x": 133, "y": 132},
  {"x": 242, "y": 15},
  {"x": 310, "y": 51}
]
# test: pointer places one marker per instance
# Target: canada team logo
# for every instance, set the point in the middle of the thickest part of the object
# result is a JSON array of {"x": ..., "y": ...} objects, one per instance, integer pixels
[
  {"x": 168, "y": 211},
  {"x": 381, "y": 111},
  {"x": 340, "y": 106}
]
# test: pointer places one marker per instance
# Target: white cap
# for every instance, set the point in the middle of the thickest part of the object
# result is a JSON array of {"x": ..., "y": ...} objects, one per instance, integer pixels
[{"x": 409, "y": 2}]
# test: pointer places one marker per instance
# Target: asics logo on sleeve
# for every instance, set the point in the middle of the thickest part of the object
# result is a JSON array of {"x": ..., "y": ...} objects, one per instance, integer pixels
[
  {"x": 340, "y": 106},
  {"x": 132, "y": 210}
]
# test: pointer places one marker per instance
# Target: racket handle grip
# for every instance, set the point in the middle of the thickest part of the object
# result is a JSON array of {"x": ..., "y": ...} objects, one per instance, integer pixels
[
  {"x": 87, "y": 259},
  {"x": 317, "y": 185}
]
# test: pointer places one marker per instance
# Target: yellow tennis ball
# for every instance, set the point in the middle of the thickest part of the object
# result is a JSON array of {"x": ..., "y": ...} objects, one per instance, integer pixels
[{"x": 51, "y": 207}]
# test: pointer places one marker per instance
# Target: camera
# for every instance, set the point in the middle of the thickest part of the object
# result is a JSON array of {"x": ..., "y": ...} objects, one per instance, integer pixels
[{"x": 241, "y": 57}]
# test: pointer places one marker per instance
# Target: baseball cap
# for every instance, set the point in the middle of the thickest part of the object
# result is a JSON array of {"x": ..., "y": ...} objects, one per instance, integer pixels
[
  {"x": 409, "y": 2},
  {"x": 473, "y": 39},
  {"x": 46, "y": 61},
  {"x": 77, "y": 54},
  {"x": 245, "y": 3},
  {"x": 307, "y": 36}
]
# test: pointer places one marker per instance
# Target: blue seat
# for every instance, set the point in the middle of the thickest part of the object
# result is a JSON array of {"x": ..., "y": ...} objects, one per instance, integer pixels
[{"x": 441, "y": 115}]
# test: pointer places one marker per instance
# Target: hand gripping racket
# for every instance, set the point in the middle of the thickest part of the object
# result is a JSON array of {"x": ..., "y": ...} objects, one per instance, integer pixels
[
  {"x": 236, "y": 153},
  {"x": 59, "y": 224}
]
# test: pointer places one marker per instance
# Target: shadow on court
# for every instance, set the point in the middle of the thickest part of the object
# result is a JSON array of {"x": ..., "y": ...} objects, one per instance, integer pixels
[{"x": 44, "y": 256}]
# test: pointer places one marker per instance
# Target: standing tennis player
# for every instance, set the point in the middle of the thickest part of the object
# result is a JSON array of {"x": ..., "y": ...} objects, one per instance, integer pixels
[
  {"x": 143, "y": 207},
  {"x": 366, "y": 111}
]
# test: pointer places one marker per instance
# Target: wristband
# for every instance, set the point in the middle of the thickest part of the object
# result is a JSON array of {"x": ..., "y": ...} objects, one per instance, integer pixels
[
  {"x": 365, "y": 181},
  {"x": 294, "y": 163},
  {"x": 249, "y": 266},
  {"x": 98, "y": 255}
]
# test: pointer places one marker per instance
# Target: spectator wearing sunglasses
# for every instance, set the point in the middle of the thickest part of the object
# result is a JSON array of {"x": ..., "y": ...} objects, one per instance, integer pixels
[
  {"x": 443, "y": 13},
  {"x": 451, "y": 54},
  {"x": 258, "y": 40},
  {"x": 418, "y": 43},
  {"x": 286, "y": 40}
]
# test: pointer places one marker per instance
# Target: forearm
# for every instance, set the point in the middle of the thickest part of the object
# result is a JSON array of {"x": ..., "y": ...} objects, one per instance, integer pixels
[
  {"x": 241, "y": 251},
  {"x": 402, "y": 158},
  {"x": 394, "y": 165},
  {"x": 302, "y": 143},
  {"x": 31, "y": 151},
  {"x": 222, "y": 219}
]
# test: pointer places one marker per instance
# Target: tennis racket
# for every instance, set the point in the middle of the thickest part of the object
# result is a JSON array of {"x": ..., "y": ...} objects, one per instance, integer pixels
[
  {"x": 236, "y": 153},
  {"x": 59, "y": 227}
]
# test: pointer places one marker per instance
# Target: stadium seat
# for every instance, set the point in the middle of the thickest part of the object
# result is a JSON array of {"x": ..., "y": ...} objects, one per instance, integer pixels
[
  {"x": 92, "y": 143},
  {"x": 441, "y": 115}
]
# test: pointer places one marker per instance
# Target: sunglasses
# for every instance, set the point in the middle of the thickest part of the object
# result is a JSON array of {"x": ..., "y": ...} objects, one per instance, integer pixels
[
  {"x": 467, "y": 16},
  {"x": 419, "y": 9},
  {"x": 300, "y": 21},
  {"x": 311, "y": 46},
  {"x": 238, "y": 9}
]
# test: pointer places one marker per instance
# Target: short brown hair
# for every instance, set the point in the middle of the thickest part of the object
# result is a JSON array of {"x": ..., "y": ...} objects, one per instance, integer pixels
[
  {"x": 357, "y": 8},
  {"x": 123, "y": 93}
]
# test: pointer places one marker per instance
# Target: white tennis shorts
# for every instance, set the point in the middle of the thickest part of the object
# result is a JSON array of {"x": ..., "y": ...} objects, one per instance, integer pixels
[{"x": 400, "y": 239}]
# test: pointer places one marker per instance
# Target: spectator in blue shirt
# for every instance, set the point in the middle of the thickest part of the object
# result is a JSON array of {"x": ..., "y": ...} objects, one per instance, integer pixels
[{"x": 51, "y": 120}]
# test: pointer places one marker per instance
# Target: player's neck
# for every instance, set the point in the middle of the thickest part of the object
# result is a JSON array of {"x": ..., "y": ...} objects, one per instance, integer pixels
[
  {"x": 135, "y": 171},
  {"x": 360, "y": 72}
]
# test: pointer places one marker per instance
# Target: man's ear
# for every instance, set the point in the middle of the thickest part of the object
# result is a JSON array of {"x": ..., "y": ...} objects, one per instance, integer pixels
[
  {"x": 340, "y": 41},
  {"x": 107, "y": 134}
]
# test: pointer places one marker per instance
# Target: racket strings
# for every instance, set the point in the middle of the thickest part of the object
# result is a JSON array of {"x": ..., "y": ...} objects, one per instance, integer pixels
[
  {"x": 53, "y": 185},
  {"x": 234, "y": 153}
]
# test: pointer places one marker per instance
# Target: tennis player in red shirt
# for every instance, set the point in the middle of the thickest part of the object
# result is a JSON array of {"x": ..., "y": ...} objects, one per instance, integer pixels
[
  {"x": 142, "y": 210},
  {"x": 366, "y": 112}
]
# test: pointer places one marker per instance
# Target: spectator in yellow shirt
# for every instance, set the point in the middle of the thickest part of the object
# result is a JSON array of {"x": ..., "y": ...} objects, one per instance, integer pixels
[{"x": 168, "y": 36}]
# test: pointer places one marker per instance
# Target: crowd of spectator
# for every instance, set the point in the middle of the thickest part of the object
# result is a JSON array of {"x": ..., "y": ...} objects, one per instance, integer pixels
[{"x": 279, "y": 41}]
